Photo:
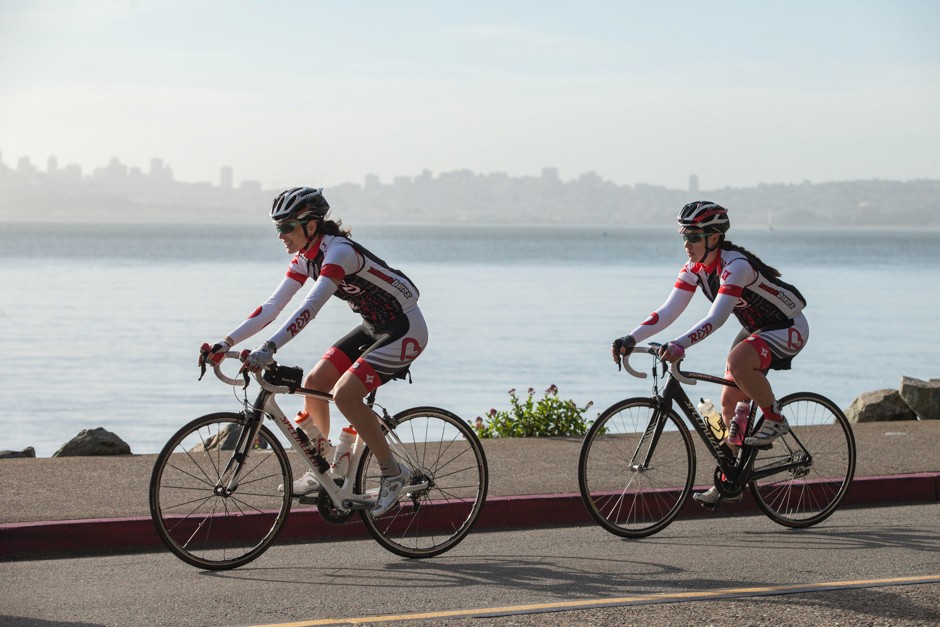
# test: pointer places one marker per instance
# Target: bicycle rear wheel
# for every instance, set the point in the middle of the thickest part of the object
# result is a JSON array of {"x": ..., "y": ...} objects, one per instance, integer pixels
[
  {"x": 446, "y": 455},
  {"x": 632, "y": 482},
  {"x": 819, "y": 453},
  {"x": 204, "y": 518}
]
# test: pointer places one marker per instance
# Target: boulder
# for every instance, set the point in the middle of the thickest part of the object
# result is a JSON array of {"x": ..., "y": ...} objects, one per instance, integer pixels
[
  {"x": 923, "y": 397},
  {"x": 29, "y": 451},
  {"x": 879, "y": 406},
  {"x": 226, "y": 439},
  {"x": 91, "y": 442}
]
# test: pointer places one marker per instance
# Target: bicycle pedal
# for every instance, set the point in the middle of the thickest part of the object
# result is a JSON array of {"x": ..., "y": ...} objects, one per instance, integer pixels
[{"x": 308, "y": 499}]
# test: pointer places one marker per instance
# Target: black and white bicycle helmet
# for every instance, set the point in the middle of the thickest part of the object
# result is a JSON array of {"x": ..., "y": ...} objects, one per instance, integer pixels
[
  {"x": 300, "y": 203},
  {"x": 703, "y": 215}
]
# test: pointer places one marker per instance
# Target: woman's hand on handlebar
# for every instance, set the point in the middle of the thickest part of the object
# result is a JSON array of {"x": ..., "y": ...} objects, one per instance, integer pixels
[
  {"x": 671, "y": 351},
  {"x": 214, "y": 353},
  {"x": 260, "y": 358},
  {"x": 620, "y": 347}
]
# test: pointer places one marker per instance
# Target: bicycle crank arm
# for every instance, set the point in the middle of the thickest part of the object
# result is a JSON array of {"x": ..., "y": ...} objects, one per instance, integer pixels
[{"x": 360, "y": 502}]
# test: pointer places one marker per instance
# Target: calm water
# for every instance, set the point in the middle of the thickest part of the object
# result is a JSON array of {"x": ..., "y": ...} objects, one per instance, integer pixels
[{"x": 100, "y": 324}]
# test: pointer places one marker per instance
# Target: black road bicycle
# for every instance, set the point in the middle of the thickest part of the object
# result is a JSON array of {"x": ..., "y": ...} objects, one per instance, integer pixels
[
  {"x": 637, "y": 461},
  {"x": 220, "y": 490}
]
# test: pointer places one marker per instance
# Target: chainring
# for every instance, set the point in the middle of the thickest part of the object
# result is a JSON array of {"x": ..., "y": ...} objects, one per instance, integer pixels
[
  {"x": 726, "y": 488},
  {"x": 329, "y": 511}
]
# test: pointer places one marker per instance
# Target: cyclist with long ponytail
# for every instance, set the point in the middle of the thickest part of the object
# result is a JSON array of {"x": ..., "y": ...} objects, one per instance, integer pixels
[
  {"x": 736, "y": 281},
  {"x": 391, "y": 335}
]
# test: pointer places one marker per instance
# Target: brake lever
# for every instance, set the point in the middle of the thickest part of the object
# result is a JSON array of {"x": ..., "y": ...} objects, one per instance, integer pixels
[
  {"x": 203, "y": 353},
  {"x": 243, "y": 356}
]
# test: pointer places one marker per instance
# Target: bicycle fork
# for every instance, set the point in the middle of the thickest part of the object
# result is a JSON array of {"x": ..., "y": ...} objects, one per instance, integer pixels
[
  {"x": 227, "y": 482},
  {"x": 654, "y": 429}
]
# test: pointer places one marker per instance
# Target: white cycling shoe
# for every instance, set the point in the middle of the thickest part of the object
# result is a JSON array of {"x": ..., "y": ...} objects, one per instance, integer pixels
[
  {"x": 307, "y": 484},
  {"x": 390, "y": 491},
  {"x": 712, "y": 496},
  {"x": 770, "y": 430}
]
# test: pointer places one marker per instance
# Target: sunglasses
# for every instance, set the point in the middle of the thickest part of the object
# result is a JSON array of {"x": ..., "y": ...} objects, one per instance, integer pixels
[
  {"x": 287, "y": 227},
  {"x": 694, "y": 238}
]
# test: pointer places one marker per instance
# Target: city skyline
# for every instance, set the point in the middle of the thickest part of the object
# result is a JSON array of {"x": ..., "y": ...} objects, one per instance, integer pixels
[
  {"x": 736, "y": 93},
  {"x": 159, "y": 169},
  {"x": 118, "y": 192}
]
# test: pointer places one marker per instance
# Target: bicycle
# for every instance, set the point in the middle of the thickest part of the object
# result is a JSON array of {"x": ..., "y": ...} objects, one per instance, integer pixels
[
  {"x": 220, "y": 490},
  {"x": 637, "y": 462}
]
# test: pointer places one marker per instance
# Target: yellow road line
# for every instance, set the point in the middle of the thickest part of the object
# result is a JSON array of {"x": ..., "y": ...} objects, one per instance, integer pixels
[{"x": 645, "y": 599}]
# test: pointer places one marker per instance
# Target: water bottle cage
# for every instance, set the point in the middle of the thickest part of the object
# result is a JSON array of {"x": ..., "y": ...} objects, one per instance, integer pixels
[{"x": 323, "y": 464}]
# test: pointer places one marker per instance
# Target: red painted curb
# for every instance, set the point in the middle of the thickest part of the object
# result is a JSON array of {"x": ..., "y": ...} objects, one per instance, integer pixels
[{"x": 35, "y": 539}]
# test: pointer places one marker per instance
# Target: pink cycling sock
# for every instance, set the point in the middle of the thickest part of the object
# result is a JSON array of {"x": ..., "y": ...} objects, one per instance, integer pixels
[{"x": 772, "y": 412}]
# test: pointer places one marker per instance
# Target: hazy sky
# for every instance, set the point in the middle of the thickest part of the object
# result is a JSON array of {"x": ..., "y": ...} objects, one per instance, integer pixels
[{"x": 320, "y": 93}]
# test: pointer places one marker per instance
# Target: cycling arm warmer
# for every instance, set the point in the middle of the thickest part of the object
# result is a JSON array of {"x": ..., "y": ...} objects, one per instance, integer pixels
[
  {"x": 317, "y": 297},
  {"x": 267, "y": 312}
]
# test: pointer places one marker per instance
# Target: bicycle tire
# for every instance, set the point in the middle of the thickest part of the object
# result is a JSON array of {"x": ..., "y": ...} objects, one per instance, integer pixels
[
  {"x": 626, "y": 499},
  {"x": 200, "y": 523},
  {"x": 805, "y": 496},
  {"x": 442, "y": 449}
]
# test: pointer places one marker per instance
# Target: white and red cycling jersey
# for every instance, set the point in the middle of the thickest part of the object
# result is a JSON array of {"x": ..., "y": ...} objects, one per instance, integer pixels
[
  {"x": 339, "y": 267},
  {"x": 735, "y": 285}
]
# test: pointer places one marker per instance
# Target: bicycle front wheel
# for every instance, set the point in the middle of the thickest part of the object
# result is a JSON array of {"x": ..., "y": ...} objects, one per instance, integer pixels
[
  {"x": 636, "y": 468},
  {"x": 817, "y": 461},
  {"x": 208, "y": 516},
  {"x": 447, "y": 460}
]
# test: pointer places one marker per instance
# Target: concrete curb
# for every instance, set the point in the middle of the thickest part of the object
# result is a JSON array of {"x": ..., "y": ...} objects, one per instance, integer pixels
[{"x": 103, "y": 535}]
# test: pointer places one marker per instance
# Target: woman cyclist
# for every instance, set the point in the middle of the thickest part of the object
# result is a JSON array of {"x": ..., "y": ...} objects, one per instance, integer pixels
[
  {"x": 736, "y": 282},
  {"x": 392, "y": 334}
]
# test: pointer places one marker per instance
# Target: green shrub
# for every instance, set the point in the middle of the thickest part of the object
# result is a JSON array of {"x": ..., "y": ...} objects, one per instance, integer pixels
[{"x": 547, "y": 416}]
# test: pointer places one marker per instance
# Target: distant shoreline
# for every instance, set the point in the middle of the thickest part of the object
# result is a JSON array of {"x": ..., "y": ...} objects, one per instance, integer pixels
[
  {"x": 149, "y": 221},
  {"x": 469, "y": 198}
]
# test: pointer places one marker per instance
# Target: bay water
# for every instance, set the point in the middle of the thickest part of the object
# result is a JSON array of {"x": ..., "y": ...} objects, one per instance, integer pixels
[{"x": 100, "y": 324}]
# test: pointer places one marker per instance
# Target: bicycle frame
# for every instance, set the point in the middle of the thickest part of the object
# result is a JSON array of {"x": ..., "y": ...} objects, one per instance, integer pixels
[
  {"x": 673, "y": 392},
  {"x": 342, "y": 495},
  {"x": 738, "y": 468}
]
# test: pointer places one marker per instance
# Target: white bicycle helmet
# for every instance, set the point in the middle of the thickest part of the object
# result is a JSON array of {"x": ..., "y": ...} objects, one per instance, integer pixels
[
  {"x": 703, "y": 215},
  {"x": 300, "y": 203}
]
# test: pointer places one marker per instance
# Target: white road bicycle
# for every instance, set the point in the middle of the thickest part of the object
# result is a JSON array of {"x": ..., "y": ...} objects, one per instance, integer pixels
[{"x": 214, "y": 490}]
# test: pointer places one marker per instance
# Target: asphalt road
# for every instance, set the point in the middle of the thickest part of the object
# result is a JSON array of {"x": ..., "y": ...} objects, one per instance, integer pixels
[{"x": 528, "y": 577}]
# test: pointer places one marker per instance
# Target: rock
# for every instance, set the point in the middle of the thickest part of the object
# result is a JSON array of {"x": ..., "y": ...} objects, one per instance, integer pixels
[
  {"x": 90, "y": 442},
  {"x": 878, "y": 406},
  {"x": 923, "y": 397},
  {"x": 225, "y": 440},
  {"x": 29, "y": 451}
]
